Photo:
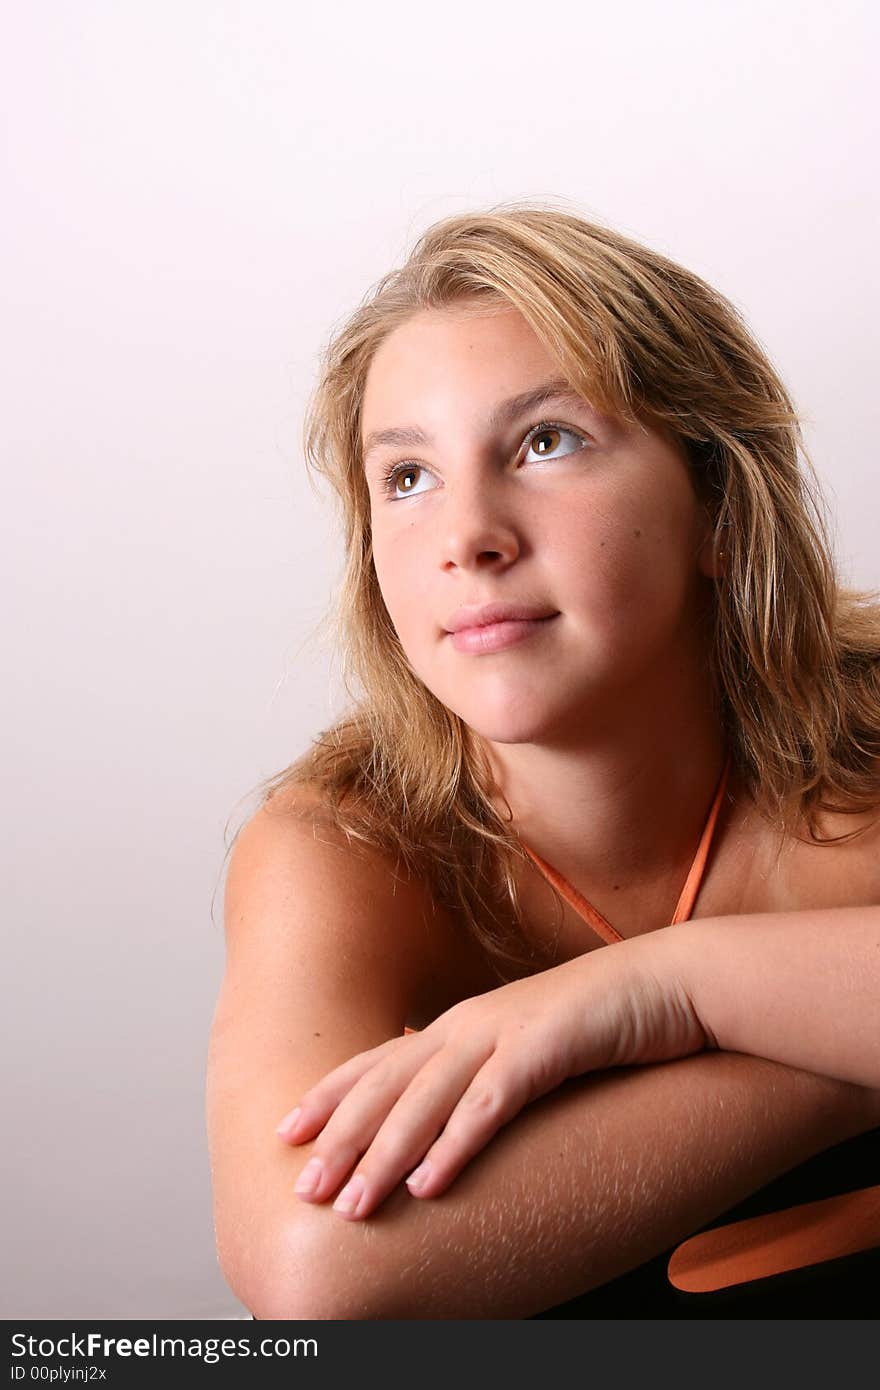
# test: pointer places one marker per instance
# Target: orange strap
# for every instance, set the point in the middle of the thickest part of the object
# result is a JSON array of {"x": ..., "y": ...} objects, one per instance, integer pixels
[
  {"x": 778, "y": 1242},
  {"x": 685, "y": 905},
  {"x": 601, "y": 926}
]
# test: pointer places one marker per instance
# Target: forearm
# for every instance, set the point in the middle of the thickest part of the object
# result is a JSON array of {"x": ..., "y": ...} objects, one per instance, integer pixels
[
  {"x": 586, "y": 1183},
  {"x": 802, "y": 988}
]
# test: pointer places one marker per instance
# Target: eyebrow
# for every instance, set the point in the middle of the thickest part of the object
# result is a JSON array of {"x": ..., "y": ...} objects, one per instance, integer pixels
[{"x": 558, "y": 389}]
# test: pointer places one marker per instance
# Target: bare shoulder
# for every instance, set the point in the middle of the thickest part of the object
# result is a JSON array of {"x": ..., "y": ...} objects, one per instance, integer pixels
[
  {"x": 297, "y": 884},
  {"x": 840, "y": 869},
  {"x": 330, "y": 951}
]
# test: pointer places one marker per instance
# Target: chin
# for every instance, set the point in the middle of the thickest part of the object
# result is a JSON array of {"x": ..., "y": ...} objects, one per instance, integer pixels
[
  {"x": 505, "y": 711},
  {"x": 519, "y": 726}
]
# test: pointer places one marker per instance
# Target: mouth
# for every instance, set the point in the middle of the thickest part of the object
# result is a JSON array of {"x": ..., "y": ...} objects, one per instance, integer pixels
[{"x": 496, "y": 637}]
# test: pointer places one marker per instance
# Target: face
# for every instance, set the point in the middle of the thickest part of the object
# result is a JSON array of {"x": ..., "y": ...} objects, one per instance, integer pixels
[{"x": 590, "y": 524}]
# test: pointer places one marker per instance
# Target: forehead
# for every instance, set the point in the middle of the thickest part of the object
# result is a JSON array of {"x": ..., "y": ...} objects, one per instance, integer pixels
[{"x": 478, "y": 350}]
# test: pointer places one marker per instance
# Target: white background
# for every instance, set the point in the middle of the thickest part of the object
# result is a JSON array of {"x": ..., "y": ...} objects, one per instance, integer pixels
[{"x": 194, "y": 193}]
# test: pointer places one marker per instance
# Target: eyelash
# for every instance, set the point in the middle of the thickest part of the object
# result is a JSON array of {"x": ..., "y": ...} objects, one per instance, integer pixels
[{"x": 389, "y": 478}]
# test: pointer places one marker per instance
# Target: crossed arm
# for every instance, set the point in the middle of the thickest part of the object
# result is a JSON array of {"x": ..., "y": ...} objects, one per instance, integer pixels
[
  {"x": 585, "y": 1184},
  {"x": 587, "y": 1181}
]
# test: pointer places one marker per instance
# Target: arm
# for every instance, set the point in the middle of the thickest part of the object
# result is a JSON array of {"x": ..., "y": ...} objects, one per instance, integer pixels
[
  {"x": 326, "y": 957},
  {"x": 587, "y": 1183},
  {"x": 801, "y": 988},
  {"x": 418, "y": 1109}
]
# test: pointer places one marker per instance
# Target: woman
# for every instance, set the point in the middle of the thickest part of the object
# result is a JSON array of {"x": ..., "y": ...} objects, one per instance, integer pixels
[{"x": 596, "y": 626}]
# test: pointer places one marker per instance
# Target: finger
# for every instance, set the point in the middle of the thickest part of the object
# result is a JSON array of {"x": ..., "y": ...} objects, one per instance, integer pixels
[
  {"x": 495, "y": 1095},
  {"x": 318, "y": 1103},
  {"x": 354, "y": 1123},
  {"x": 409, "y": 1128}
]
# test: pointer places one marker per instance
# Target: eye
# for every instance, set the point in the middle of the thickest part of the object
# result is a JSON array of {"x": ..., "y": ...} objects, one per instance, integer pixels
[
  {"x": 546, "y": 431},
  {"x": 400, "y": 470},
  {"x": 536, "y": 438}
]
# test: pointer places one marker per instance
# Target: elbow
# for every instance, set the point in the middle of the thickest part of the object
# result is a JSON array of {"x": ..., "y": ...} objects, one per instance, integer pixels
[
  {"x": 313, "y": 1272},
  {"x": 294, "y": 1281},
  {"x": 281, "y": 1279}
]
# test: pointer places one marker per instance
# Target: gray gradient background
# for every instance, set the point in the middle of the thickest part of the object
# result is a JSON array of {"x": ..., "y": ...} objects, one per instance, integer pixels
[{"x": 193, "y": 194}]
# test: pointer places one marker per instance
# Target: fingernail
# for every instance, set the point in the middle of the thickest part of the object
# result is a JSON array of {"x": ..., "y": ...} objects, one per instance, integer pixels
[
  {"x": 417, "y": 1179},
  {"x": 349, "y": 1196},
  {"x": 289, "y": 1121},
  {"x": 309, "y": 1178}
]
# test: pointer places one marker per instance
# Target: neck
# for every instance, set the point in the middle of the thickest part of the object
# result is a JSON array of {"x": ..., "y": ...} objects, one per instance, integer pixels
[{"x": 623, "y": 806}]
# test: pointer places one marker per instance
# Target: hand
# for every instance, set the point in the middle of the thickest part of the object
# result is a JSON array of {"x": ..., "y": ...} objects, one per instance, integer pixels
[{"x": 440, "y": 1095}]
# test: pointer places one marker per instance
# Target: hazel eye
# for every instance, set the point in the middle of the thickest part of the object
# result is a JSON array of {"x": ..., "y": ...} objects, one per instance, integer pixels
[
  {"x": 394, "y": 476},
  {"x": 407, "y": 473},
  {"x": 538, "y": 438}
]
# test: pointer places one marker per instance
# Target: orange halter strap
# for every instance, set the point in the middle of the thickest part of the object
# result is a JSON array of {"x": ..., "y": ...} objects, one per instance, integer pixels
[{"x": 685, "y": 905}]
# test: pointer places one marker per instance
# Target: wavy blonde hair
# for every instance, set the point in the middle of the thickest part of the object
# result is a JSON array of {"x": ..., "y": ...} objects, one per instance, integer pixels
[{"x": 794, "y": 655}]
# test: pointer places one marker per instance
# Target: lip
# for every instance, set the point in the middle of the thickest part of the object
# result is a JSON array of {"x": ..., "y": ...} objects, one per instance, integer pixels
[
  {"x": 483, "y": 614},
  {"x": 495, "y": 637},
  {"x": 491, "y": 627}
]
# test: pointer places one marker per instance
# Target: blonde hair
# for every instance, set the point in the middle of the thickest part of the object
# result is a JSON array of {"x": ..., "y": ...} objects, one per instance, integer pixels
[{"x": 795, "y": 655}]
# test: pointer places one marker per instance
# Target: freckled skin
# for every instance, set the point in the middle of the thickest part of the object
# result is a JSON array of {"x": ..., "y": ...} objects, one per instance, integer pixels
[{"x": 609, "y": 534}]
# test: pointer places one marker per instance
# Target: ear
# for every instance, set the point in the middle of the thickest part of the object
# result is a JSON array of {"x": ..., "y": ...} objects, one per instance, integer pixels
[{"x": 711, "y": 557}]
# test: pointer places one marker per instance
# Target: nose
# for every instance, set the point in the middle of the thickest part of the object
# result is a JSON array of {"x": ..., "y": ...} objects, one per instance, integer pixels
[{"x": 478, "y": 526}]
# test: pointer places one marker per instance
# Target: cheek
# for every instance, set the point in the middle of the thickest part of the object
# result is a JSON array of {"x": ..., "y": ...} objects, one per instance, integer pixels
[
  {"x": 602, "y": 546},
  {"x": 627, "y": 567},
  {"x": 399, "y": 574}
]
